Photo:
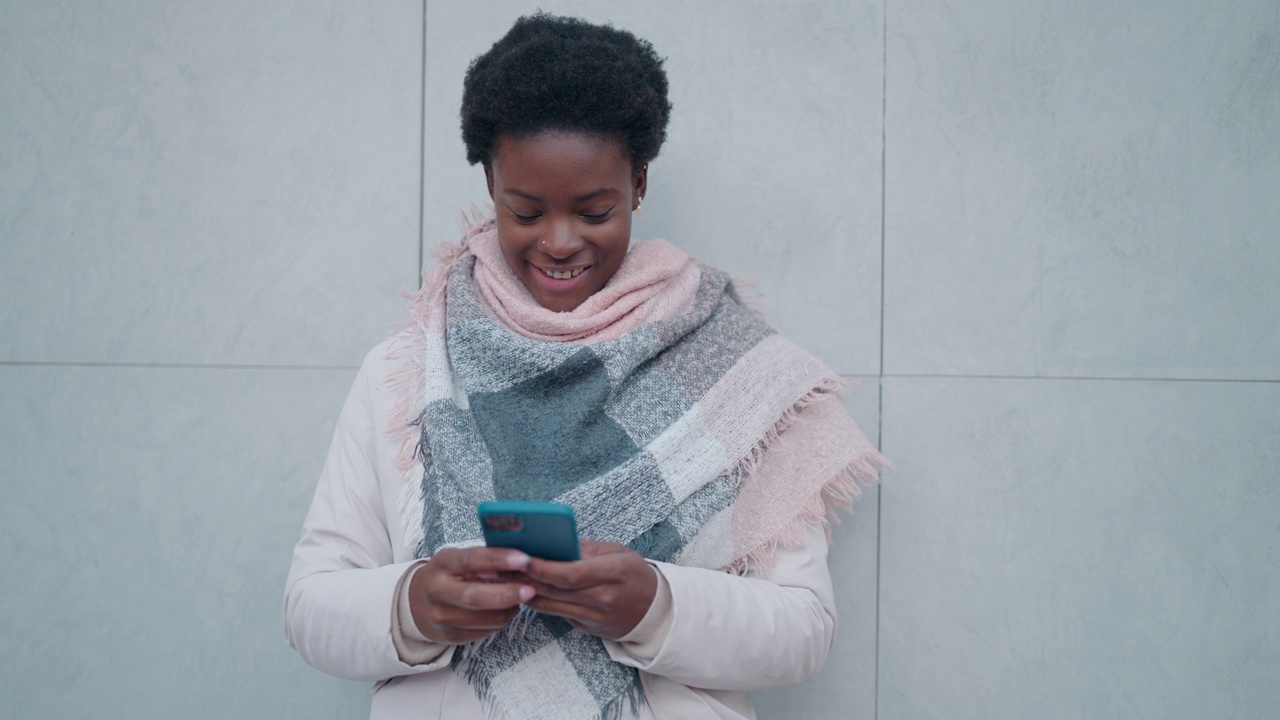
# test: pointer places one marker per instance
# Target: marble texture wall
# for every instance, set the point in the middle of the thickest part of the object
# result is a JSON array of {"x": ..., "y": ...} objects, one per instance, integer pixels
[{"x": 1041, "y": 235}]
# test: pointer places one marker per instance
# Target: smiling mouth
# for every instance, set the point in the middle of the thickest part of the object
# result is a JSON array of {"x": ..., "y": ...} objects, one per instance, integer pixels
[{"x": 562, "y": 274}]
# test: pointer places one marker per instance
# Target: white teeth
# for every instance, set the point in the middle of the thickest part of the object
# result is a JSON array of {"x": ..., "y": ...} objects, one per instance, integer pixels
[{"x": 564, "y": 275}]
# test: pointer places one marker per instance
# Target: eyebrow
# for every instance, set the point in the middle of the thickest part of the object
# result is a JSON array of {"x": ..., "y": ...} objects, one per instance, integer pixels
[{"x": 581, "y": 198}]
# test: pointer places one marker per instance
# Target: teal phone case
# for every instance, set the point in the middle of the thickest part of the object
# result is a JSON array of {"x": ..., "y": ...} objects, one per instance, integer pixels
[{"x": 542, "y": 529}]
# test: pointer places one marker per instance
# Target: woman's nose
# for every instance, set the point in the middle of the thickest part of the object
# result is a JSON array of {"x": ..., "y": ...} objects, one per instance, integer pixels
[{"x": 562, "y": 241}]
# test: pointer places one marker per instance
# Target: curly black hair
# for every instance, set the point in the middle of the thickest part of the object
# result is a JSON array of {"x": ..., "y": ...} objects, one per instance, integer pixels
[{"x": 565, "y": 74}]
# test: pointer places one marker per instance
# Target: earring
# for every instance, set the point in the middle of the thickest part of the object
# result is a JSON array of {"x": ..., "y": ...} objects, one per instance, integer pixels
[{"x": 637, "y": 212}]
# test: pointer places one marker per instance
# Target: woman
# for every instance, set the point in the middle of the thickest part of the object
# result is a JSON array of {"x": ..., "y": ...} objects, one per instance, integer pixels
[{"x": 547, "y": 358}]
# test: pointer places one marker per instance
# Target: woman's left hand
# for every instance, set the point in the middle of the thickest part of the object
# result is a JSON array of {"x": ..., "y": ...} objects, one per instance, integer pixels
[{"x": 605, "y": 594}]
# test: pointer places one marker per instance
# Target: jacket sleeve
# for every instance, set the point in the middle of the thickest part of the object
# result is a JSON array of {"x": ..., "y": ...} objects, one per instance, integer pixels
[
  {"x": 746, "y": 633},
  {"x": 342, "y": 585}
]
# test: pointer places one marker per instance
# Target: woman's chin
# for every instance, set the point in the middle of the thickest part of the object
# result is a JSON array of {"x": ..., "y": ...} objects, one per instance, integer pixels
[{"x": 560, "y": 303}]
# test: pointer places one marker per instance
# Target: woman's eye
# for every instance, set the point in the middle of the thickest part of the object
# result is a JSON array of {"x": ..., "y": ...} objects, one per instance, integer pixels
[
  {"x": 524, "y": 218},
  {"x": 597, "y": 217}
]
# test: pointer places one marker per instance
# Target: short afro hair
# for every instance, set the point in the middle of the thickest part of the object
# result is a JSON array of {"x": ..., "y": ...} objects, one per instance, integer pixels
[{"x": 552, "y": 73}]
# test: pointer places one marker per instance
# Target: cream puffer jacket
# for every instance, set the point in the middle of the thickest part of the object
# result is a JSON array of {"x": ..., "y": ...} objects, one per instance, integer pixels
[{"x": 726, "y": 635}]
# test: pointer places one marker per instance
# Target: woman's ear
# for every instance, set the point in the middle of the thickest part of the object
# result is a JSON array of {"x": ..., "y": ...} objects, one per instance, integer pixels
[
  {"x": 640, "y": 187},
  {"x": 488, "y": 178}
]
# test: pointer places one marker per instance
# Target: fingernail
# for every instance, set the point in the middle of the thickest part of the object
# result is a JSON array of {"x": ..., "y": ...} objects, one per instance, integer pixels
[
  {"x": 526, "y": 593},
  {"x": 517, "y": 561}
]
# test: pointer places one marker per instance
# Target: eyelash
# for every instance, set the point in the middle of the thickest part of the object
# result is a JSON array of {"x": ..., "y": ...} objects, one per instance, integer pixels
[{"x": 599, "y": 217}]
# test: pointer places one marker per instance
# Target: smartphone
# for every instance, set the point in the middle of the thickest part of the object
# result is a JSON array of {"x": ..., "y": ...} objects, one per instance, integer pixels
[{"x": 542, "y": 529}]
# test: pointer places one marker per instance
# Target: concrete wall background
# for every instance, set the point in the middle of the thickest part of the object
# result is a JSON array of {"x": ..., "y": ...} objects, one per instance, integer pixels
[{"x": 1041, "y": 235}]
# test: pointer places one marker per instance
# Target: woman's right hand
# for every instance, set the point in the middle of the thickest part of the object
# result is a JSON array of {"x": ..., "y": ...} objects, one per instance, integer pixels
[{"x": 465, "y": 594}]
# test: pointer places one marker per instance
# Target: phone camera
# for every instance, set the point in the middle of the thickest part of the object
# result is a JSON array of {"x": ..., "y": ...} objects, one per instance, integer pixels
[{"x": 504, "y": 523}]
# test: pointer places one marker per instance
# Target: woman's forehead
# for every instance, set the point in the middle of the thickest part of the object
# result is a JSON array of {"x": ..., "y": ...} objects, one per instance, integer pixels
[{"x": 556, "y": 154}]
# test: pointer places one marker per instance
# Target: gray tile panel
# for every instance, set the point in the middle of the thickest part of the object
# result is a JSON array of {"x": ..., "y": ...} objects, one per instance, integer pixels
[
  {"x": 218, "y": 184},
  {"x": 148, "y": 522},
  {"x": 1082, "y": 190},
  {"x": 1066, "y": 549}
]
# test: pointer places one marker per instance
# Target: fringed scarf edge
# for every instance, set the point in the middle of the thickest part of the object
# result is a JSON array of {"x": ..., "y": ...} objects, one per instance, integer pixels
[
  {"x": 821, "y": 508},
  {"x": 408, "y": 381}
]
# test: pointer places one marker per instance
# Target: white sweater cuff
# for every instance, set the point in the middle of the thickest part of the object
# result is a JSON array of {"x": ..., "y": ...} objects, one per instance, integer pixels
[
  {"x": 646, "y": 638},
  {"x": 413, "y": 647}
]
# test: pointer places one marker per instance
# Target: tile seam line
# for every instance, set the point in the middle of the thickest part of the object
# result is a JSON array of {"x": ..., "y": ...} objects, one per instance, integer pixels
[
  {"x": 172, "y": 366},
  {"x": 1077, "y": 378},
  {"x": 884, "y": 191},
  {"x": 851, "y": 375},
  {"x": 422, "y": 149}
]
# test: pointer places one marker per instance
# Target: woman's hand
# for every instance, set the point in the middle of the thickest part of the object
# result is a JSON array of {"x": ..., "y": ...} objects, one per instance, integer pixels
[
  {"x": 466, "y": 594},
  {"x": 605, "y": 594}
]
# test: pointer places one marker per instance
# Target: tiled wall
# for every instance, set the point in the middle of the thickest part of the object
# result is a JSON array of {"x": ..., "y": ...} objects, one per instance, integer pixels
[
  {"x": 1043, "y": 236},
  {"x": 207, "y": 213}
]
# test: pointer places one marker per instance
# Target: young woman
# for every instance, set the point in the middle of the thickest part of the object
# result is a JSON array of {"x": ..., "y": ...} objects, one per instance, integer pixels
[{"x": 547, "y": 357}]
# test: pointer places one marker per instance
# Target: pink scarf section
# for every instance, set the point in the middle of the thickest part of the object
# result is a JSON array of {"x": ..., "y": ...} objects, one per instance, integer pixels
[{"x": 657, "y": 280}]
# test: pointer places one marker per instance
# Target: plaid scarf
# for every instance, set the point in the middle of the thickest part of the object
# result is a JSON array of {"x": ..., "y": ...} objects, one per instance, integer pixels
[{"x": 649, "y": 423}]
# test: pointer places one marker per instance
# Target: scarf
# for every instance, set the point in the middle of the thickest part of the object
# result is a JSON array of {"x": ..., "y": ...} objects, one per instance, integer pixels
[{"x": 647, "y": 409}]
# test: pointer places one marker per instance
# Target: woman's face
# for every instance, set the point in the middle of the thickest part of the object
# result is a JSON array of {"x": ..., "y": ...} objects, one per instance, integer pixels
[{"x": 564, "y": 203}]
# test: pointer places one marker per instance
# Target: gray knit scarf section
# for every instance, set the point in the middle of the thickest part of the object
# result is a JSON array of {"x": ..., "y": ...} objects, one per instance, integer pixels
[{"x": 571, "y": 423}]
